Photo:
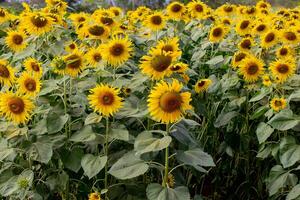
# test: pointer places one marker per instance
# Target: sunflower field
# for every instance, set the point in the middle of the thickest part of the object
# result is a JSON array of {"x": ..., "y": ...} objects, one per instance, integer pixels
[{"x": 187, "y": 102}]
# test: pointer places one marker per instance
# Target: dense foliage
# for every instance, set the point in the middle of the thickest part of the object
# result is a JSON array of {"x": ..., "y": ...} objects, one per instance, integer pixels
[{"x": 187, "y": 102}]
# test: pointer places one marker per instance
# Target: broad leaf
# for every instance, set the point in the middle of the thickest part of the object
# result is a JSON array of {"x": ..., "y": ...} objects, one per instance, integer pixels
[
  {"x": 56, "y": 122},
  {"x": 84, "y": 135},
  {"x": 284, "y": 120},
  {"x": 263, "y": 132},
  {"x": 156, "y": 191},
  {"x": 294, "y": 193},
  {"x": 92, "y": 165}
]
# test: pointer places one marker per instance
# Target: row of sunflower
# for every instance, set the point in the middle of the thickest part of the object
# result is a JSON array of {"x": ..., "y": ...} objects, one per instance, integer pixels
[{"x": 123, "y": 105}]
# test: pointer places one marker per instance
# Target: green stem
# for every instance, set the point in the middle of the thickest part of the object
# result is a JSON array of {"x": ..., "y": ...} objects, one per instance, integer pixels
[
  {"x": 106, "y": 154},
  {"x": 165, "y": 181}
]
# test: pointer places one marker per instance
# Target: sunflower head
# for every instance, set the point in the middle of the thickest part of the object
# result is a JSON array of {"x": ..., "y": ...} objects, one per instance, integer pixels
[
  {"x": 28, "y": 84},
  {"x": 282, "y": 69},
  {"x": 217, "y": 33},
  {"x": 278, "y": 104},
  {"x": 155, "y": 21},
  {"x": 176, "y": 10},
  {"x": 96, "y": 31},
  {"x": 74, "y": 63},
  {"x": 269, "y": 39},
  {"x": 266, "y": 80},
  {"x": 104, "y": 99},
  {"x": 70, "y": 46},
  {"x": 197, "y": 9},
  {"x": 94, "y": 57},
  {"x": 16, "y": 108},
  {"x": 244, "y": 27},
  {"x": 16, "y": 40},
  {"x": 246, "y": 44},
  {"x": 169, "y": 46},
  {"x": 202, "y": 85},
  {"x": 251, "y": 68},
  {"x": 167, "y": 103},
  {"x": 179, "y": 67},
  {"x": 238, "y": 57},
  {"x": 290, "y": 36},
  {"x": 94, "y": 196},
  {"x": 7, "y": 73},
  {"x": 285, "y": 52},
  {"x": 117, "y": 51},
  {"x": 37, "y": 23},
  {"x": 33, "y": 66}
]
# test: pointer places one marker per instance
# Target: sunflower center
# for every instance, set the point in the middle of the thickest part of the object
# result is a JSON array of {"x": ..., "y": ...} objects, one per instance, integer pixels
[
  {"x": 270, "y": 37},
  {"x": 226, "y": 21},
  {"x": 107, "y": 98},
  {"x": 201, "y": 84},
  {"x": 117, "y": 49},
  {"x": 175, "y": 68},
  {"x": 4, "y": 71},
  {"x": 261, "y": 27},
  {"x": 97, "y": 57},
  {"x": 240, "y": 57},
  {"x": 263, "y": 5},
  {"x": 282, "y": 68},
  {"x": 246, "y": 44},
  {"x": 35, "y": 67},
  {"x": 2, "y": 13},
  {"x": 39, "y": 21},
  {"x": 157, "y": 20},
  {"x": 73, "y": 61},
  {"x": 81, "y": 19},
  {"x": 72, "y": 46},
  {"x": 252, "y": 68},
  {"x": 160, "y": 63},
  {"x": 30, "y": 84},
  {"x": 16, "y": 105},
  {"x": 176, "y": 8},
  {"x": 217, "y": 32},
  {"x": 278, "y": 103},
  {"x": 170, "y": 102},
  {"x": 228, "y": 9},
  {"x": 116, "y": 12},
  {"x": 17, "y": 39},
  {"x": 107, "y": 20},
  {"x": 283, "y": 52},
  {"x": 96, "y": 30},
  {"x": 244, "y": 24},
  {"x": 290, "y": 36},
  {"x": 250, "y": 10},
  {"x": 199, "y": 8},
  {"x": 168, "y": 48}
]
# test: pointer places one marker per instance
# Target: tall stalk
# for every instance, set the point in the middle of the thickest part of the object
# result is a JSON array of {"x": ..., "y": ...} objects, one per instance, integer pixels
[
  {"x": 106, "y": 154},
  {"x": 165, "y": 181}
]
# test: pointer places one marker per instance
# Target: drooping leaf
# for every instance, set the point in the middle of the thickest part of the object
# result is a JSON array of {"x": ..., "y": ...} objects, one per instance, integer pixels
[
  {"x": 92, "y": 165},
  {"x": 41, "y": 152},
  {"x": 284, "y": 120},
  {"x": 263, "y": 132},
  {"x": 56, "y": 122},
  {"x": 294, "y": 193},
  {"x": 84, "y": 135},
  {"x": 156, "y": 191}
]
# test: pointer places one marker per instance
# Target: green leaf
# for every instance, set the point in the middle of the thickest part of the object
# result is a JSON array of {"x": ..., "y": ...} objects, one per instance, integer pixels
[
  {"x": 215, "y": 60},
  {"x": 291, "y": 156},
  {"x": 294, "y": 193},
  {"x": 4, "y": 153},
  {"x": 259, "y": 112},
  {"x": 263, "y": 132},
  {"x": 56, "y": 122},
  {"x": 9, "y": 187},
  {"x": 128, "y": 166},
  {"x": 42, "y": 152},
  {"x": 84, "y": 135},
  {"x": 145, "y": 142},
  {"x": 224, "y": 118},
  {"x": 72, "y": 159},
  {"x": 156, "y": 191},
  {"x": 277, "y": 179},
  {"x": 196, "y": 158},
  {"x": 92, "y": 118},
  {"x": 284, "y": 120},
  {"x": 261, "y": 94},
  {"x": 119, "y": 134},
  {"x": 295, "y": 96},
  {"x": 48, "y": 87},
  {"x": 92, "y": 165}
]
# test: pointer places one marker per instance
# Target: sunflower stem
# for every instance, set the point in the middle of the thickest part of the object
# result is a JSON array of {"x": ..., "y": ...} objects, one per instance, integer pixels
[
  {"x": 165, "y": 181},
  {"x": 106, "y": 154}
]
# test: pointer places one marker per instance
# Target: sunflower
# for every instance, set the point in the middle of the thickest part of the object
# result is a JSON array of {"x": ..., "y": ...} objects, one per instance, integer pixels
[
  {"x": 243, "y": 27},
  {"x": 290, "y": 36},
  {"x": 78, "y": 18},
  {"x": 226, "y": 9},
  {"x": 197, "y": 9},
  {"x": 269, "y": 39},
  {"x": 278, "y": 104},
  {"x": 58, "y": 65},
  {"x": 251, "y": 68},
  {"x": 217, "y": 33},
  {"x": 266, "y": 80},
  {"x": 96, "y": 31},
  {"x": 4, "y": 15},
  {"x": 127, "y": 91},
  {"x": 57, "y": 4},
  {"x": 117, "y": 11},
  {"x": 246, "y": 44},
  {"x": 70, "y": 46},
  {"x": 15, "y": 40},
  {"x": 167, "y": 103},
  {"x": 156, "y": 65},
  {"x": 16, "y": 108},
  {"x": 260, "y": 28},
  {"x": 176, "y": 10},
  {"x": 202, "y": 85},
  {"x": 28, "y": 84},
  {"x": 94, "y": 57},
  {"x": 285, "y": 52},
  {"x": 117, "y": 51},
  {"x": 155, "y": 21},
  {"x": 94, "y": 196},
  {"x": 33, "y": 66},
  {"x": 105, "y": 100},
  {"x": 282, "y": 69},
  {"x": 7, "y": 73},
  {"x": 179, "y": 67},
  {"x": 262, "y": 4},
  {"x": 108, "y": 21},
  {"x": 37, "y": 23},
  {"x": 170, "y": 46},
  {"x": 238, "y": 57},
  {"x": 74, "y": 63}
]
